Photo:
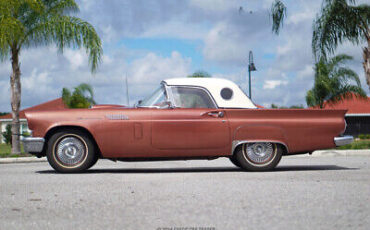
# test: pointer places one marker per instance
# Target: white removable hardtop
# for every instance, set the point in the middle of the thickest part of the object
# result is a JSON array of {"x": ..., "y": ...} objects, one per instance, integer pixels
[{"x": 214, "y": 87}]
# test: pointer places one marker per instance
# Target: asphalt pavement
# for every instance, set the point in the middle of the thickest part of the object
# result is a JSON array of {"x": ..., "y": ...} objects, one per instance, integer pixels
[{"x": 302, "y": 193}]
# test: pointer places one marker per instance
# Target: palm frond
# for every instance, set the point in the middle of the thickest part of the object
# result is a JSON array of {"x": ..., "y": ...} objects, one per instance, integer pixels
[
  {"x": 337, "y": 22},
  {"x": 82, "y": 96},
  {"x": 36, "y": 5},
  {"x": 345, "y": 74},
  {"x": 333, "y": 82},
  {"x": 338, "y": 60},
  {"x": 347, "y": 92},
  {"x": 66, "y": 96},
  {"x": 310, "y": 98},
  {"x": 86, "y": 91},
  {"x": 61, "y": 7},
  {"x": 278, "y": 13},
  {"x": 68, "y": 31},
  {"x": 11, "y": 30},
  {"x": 44, "y": 22},
  {"x": 4, "y": 53},
  {"x": 10, "y": 8}
]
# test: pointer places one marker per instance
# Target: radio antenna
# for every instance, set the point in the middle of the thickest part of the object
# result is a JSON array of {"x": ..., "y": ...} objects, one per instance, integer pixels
[{"x": 127, "y": 97}]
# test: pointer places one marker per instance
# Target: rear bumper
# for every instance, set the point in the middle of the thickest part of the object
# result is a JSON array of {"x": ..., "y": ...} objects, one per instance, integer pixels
[
  {"x": 345, "y": 140},
  {"x": 33, "y": 144}
]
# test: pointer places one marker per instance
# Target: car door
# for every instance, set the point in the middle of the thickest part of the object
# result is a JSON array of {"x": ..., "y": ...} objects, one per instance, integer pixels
[{"x": 195, "y": 126}]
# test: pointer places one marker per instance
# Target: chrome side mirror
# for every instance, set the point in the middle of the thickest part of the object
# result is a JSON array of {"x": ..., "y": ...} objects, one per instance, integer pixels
[{"x": 138, "y": 103}]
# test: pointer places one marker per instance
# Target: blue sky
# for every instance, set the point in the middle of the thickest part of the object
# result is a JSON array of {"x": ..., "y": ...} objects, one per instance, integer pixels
[
  {"x": 165, "y": 46},
  {"x": 151, "y": 40}
]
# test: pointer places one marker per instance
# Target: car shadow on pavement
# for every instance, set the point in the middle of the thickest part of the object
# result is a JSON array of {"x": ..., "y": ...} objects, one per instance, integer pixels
[
  {"x": 207, "y": 169},
  {"x": 311, "y": 168}
]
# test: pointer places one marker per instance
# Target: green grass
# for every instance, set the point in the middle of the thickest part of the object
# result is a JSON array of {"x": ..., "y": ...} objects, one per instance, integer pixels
[
  {"x": 357, "y": 144},
  {"x": 5, "y": 151}
]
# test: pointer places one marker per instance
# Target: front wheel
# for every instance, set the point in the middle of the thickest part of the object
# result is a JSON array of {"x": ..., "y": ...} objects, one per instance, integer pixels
[
  {"x": 258, "y": 156},
  {"x": 235, "y": 161},
  {"x": 71, "y": 151}
]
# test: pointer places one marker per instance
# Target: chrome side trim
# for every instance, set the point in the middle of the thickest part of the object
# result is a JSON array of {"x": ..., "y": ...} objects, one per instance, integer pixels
[
  {"x": 357, "y": 115},
  {"x": 33, "y": 144},
  {"x": 345, "y": 140},
  {"x": 236, "y": 143}
]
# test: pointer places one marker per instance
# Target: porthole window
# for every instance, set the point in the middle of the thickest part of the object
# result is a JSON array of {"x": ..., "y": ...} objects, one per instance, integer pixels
[{"x": 226, "y": 93}]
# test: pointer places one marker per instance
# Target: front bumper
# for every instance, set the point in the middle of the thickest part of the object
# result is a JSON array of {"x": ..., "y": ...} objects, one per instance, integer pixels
[
  {"x": 345, "y": 140},
  {"x": 33, "y": 144}
]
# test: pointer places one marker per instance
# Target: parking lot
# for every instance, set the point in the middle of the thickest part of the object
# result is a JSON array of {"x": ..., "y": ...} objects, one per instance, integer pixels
[{"x": 302, "y": 193}]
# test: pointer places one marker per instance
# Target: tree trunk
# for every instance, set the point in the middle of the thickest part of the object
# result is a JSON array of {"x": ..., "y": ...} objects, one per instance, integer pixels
[
  {"x": 366, "y": 55},
  {"x": 15, "y": 85}
]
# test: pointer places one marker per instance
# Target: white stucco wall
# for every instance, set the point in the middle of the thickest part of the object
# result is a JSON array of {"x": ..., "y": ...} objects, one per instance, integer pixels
[{"x": 5, "y": 122}]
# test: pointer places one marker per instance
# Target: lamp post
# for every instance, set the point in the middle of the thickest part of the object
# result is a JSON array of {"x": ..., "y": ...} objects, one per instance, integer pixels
[{"x": 251, "y": 67}]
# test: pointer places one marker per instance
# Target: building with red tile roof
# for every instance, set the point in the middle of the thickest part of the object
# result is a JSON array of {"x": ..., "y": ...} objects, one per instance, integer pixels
[
  {"x": 355, "y": 106},
  {"x": 357, "y": 116}
]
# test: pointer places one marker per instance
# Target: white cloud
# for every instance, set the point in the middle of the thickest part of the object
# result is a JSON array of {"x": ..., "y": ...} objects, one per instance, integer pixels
[
  {"x": 216, "y": 5},
  {"x": 109, "y": 34},
  {"x": 176, "y": 29},
  {"x": 301, "y": 17},
  {"x": 272, "y": 84},
  {"x": 306, "y": 72},
  {"x": 221, "y": 44},
  {"x": 76, "y": 58}
]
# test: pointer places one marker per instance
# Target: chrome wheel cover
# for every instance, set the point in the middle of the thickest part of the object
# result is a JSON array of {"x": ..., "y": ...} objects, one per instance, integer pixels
[
  {"x": 70, "y": 151},
  {"x": 259, "y": 153}
]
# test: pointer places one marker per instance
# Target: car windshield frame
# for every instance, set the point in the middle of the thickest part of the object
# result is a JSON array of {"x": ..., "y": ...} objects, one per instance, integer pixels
[{"x": 152, "y": 99}]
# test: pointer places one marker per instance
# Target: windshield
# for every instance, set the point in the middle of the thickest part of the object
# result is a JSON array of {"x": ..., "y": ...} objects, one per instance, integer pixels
[{"x": 157, "y": 99}]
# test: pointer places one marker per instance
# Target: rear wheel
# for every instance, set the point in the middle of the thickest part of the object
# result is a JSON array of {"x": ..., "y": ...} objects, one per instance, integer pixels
[
  {"x": 259, "y": 156},
  {"x": 71, "y": 151}
]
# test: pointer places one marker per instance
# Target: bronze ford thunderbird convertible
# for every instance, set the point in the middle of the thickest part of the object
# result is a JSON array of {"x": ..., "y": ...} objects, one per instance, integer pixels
[{"x": 183, "y": 119}]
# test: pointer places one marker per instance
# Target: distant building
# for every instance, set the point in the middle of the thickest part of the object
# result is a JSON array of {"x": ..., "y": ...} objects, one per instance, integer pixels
[
  {"x": 7, "y": 119},
  {"x": 357, "y": 116}
]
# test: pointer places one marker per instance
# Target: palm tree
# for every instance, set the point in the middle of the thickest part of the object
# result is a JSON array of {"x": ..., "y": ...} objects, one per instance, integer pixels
[
  {"x": 82, "y": 97},
  {"x": 340, "y": 21},
  {"x": 333, "y": 82},
  {"x": 33, "y": 23}
]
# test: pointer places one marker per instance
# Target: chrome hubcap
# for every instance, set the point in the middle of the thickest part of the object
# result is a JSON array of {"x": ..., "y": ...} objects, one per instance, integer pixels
[
  {"x": 70, "y": 151},
  {"x": 259, "y": 153}
]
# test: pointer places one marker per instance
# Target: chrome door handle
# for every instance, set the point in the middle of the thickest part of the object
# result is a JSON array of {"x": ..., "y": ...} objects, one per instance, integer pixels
[{"x": 216, "y": 114}]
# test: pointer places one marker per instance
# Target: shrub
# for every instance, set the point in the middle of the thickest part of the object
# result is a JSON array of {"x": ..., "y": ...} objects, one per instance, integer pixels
[
  {"x": 26, "y": 134},
  {"x": 362, "y": 144},
  {"x": 8, "y": 134},
  {"x": 362, "y": 136}
]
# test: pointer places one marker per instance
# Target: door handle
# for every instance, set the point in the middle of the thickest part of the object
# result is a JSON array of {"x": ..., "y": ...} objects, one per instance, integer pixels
[{"x": 215, "y": 114}]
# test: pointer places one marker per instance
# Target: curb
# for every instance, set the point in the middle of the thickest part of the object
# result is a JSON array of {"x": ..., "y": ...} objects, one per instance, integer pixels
[
  {"x": 12, "y": 160},
  {"x": 336, "y": 153},
  {"x": 320, "y": 153},
  {"x": 342, "y": 153}
]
